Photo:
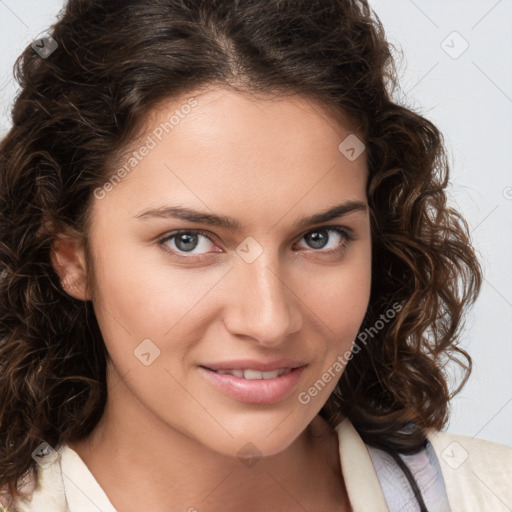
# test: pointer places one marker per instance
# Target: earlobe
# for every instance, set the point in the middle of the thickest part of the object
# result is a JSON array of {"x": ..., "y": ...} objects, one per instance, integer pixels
[{"x": 68, "y": 258}]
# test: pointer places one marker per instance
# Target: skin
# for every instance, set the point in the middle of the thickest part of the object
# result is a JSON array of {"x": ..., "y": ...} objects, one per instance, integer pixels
[{"x": 166, "y": 432}]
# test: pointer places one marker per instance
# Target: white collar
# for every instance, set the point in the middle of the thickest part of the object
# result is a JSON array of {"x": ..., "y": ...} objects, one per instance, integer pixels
[
  {"x": 361, "y": 480},
  {"x": 83, "y": 492}
]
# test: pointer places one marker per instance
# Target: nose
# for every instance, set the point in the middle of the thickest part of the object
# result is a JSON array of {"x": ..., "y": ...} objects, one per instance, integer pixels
[{"x": 262, "y": 304}]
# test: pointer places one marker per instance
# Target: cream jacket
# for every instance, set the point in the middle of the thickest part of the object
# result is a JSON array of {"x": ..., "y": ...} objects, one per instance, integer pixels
[{"x": 457, "y": 474}]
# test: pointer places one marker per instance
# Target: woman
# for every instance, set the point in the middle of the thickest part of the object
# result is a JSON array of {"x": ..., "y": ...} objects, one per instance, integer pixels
[{"x": 297, "y": 345}]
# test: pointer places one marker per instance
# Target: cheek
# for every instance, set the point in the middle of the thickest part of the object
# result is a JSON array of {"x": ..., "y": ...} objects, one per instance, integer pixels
[
  {"x": 126, "y": 292},
  {"x": 351, "y": 304},
  {"x": 339, "y": 297},
  {"x": 341, "y": 308},
  {"x": 143, "y": 297}
]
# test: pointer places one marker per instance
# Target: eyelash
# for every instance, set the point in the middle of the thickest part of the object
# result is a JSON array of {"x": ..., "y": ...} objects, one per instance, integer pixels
[{"x": 340, "y": 251}]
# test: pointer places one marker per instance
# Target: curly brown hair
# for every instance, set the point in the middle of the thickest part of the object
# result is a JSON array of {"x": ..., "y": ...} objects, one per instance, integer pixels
[{"x": 79, "y": 107}]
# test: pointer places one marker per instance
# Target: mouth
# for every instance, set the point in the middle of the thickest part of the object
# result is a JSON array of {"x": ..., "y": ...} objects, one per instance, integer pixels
[
  {"x": 253, "y": 386},
  {"x": 250, "y": 374}
]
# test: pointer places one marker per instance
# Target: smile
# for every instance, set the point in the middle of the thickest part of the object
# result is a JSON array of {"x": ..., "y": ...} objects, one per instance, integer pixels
[
  {"x": 254, "y": 374},
  {"x": 252, "y": 386}
]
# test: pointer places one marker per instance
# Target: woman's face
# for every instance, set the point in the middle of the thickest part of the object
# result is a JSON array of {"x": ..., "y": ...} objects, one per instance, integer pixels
[{"x": 268, "y": 286}]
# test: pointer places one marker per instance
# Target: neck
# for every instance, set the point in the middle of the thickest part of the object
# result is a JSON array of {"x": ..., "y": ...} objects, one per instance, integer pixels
[{"x": 133, "y": 449}]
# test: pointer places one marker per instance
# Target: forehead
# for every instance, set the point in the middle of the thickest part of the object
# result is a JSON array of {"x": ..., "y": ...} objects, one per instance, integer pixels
[{"x": 224, "y": 148}]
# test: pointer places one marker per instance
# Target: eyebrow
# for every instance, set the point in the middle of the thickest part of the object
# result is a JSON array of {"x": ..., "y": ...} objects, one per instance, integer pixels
[{"x": 188, "y": 214}]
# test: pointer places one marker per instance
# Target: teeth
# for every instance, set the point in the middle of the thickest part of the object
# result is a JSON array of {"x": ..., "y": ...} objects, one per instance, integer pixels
[
  {"x": 236, "y": 373},
  {"x": 255, "y": 374}
]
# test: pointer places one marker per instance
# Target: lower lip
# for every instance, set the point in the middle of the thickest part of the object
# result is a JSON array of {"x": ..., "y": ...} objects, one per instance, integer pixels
[{"x": 257, "y": 391}]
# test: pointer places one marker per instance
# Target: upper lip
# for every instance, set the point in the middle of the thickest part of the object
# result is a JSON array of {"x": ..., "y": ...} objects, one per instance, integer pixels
[{"x": 244, "y": 364}]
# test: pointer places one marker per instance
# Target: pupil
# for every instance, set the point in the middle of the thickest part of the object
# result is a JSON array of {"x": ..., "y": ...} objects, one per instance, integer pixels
[
  {"x": 188, "y": 238},
  {"x": 314, "y": 237}
]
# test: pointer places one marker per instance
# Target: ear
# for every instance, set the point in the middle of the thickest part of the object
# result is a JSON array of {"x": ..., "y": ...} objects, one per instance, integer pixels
[{"x": 68, "y": 258}]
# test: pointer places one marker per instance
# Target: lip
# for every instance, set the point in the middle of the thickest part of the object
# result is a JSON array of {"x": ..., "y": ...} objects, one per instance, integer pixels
[
  {"x": 255, "y": 391},
  {"x": 261, "y": 366}
]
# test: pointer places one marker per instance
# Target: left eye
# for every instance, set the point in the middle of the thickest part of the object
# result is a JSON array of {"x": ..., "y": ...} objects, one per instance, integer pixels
[{"x": 186, "y": 241}]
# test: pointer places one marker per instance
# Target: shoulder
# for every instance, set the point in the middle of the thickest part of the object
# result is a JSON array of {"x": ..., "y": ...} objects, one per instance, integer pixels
[
  {"x": 43, "y": 489},
  {"x": 454, "y": 472},
  {"x": 457, "y": 451},
  {"x": 477, "y": 473}
]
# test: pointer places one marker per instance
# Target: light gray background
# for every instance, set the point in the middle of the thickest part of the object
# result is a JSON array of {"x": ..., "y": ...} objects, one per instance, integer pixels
[{"x": 470, "y": 99}]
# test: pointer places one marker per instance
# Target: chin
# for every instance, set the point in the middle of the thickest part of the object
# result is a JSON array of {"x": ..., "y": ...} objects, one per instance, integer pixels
[{"x": 256, "y": 440}]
